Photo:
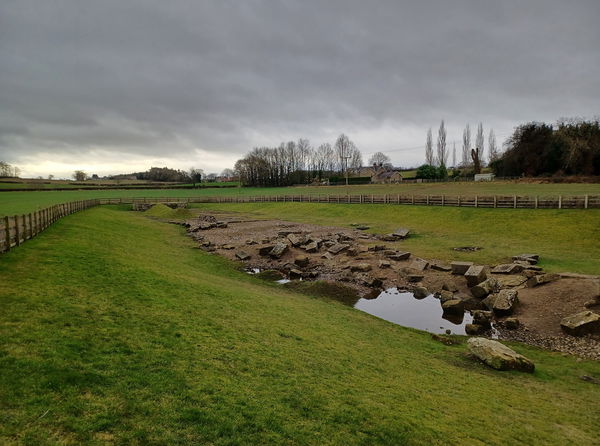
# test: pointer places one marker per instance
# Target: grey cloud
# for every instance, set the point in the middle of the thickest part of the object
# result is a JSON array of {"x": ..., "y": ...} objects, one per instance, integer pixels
[{"x": 145, "y": 77}]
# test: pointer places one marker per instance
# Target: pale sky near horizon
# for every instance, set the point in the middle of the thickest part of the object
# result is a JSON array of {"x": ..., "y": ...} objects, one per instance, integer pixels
[{"x": 116, "y": 87}]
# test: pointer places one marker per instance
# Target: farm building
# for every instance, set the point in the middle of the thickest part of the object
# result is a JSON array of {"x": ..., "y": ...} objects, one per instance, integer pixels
[{"x": 484, "y": 177}]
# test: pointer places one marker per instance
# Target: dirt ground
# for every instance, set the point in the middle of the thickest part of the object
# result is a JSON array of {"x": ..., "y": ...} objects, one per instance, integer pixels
[{"x": 369, "y": 265}]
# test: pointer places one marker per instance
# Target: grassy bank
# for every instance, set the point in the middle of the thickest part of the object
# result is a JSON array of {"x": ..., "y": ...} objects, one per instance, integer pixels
[
  {"x": 115, "y": 329},
  {"x": 567, "y": 240},
  {"x": 22, "y": 202}
]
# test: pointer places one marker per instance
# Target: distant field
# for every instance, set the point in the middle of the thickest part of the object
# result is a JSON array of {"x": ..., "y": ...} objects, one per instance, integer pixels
[
  {"x": 567, "y": 240},
  {"x": 21, "y": 202},
  {"x": 62, "y": 184}
]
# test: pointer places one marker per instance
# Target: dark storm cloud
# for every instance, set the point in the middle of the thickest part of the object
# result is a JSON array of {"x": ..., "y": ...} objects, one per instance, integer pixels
[{"x": 161, "y": 79}]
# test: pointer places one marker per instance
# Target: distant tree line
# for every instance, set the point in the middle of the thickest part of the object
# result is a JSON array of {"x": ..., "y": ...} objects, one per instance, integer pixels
[
  {"x": 297, "y": 162},
  {"x": 571, "y": 147},
  {"x": 9, "y": 171}
]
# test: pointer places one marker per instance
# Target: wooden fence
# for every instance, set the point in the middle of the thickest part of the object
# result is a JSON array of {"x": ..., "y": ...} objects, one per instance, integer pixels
[
  {"x": 20, "y": 228},
  {"x": 477, "y": 201},
  {"x": 17, "y": 229}
]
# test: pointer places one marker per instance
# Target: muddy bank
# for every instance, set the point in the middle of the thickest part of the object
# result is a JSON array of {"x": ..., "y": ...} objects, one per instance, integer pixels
[{"x": 512, "y": 301}]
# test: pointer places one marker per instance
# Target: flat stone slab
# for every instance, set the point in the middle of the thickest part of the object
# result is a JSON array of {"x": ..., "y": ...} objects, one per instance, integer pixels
[
  {"x": 507, "y": 268},
  {"x": 439, "y": 266},
  {"x": 511, "y": 281},
  {"x": 530, "y": 258},
  {"x": 419, "y": 264},
  {"x": 542, "y": 279},
  {"x": 399, "y": 255},
  {"x": 460, "y": 267},
  {"x": 581, "y": 323},
  {"x": 475, "y": 275},
  {"x": 242, "y": 255},
  {"x": 337, "y": 248},
  {"x": 499, "y": 356},
  {"x": 401, "y": 233}
]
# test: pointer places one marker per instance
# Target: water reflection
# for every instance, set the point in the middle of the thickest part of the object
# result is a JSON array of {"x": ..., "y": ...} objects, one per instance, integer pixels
[{"x": 403, "y": 309}]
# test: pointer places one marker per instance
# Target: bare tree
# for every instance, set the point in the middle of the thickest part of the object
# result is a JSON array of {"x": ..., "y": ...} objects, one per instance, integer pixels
[
  {"x": 454, "y": 154},
  {"x": 348, "y": 154},
  {"x": 479, "y": 144},
  {"x": 228, "y": 173},
  {"x": 493, "y": 149},
  {"x": 80, "y": 175},
  {"x": 429, "y": 149},
  {"x": 466, "y": 148},
  {"x": 442, "y": 153},
  {"x": 380, "y": 159},
  {"x": 50, "y": 177}
]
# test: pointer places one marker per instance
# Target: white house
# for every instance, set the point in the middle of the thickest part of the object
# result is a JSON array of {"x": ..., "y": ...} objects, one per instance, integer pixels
[{"x": 484, "y": 177}]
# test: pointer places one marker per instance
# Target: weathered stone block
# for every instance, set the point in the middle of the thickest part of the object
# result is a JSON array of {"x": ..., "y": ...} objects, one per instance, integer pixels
[
  {"x": 499, "y": 356},
  {"x": 484, "y": 288},
  {"x": 542, "y": 279},
  {"x": 460, "y": 267},
  {"x": 507, "y": 268},
  {"x": 475, "y": 275},
  {"x": 581, "y": 323},
  {"x": 505, "y": 302}
]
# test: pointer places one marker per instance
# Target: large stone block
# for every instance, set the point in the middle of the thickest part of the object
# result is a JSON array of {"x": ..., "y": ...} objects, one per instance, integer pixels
[
  {"x": 581, "y": 323},
  {"x": 542, "y": 279},
  {"x": 484, "y": 288},
  {"x": 505, "y": 302},
  {"x": 475, "y": 275},
  {"x": 499, "y": 356},
  {"x": 460, "y": 267}
]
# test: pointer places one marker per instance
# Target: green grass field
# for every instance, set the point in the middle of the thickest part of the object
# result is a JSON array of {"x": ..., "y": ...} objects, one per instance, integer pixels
[
  {"x": 116, "y": 330},
  {"x": 23, "y": 202}
]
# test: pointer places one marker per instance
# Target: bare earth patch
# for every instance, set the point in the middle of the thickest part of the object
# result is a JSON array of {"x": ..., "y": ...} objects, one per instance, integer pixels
[{"x": 368, "y": 264}]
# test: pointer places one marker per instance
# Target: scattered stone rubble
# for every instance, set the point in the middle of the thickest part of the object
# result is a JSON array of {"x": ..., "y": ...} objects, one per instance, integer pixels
[{"x": 358, "y": 259}]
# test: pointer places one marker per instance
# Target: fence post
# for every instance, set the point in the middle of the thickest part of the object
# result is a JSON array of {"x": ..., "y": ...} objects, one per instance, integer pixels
[
  {"x": 7, "y": 233},
  {"x": 412, "y": 199},
  {"x": 514, "y": 202},
  {"x": 560, "y": 202},
  {"x": 476, "y": 201},
  {"x": 442, "y": 200},
  {"x": 585, "y": 202},
  {"x": 495, "y": 201},
  {"x": 17, "y": 235},
  {"x": 427, "y": 199},
  {"x": 459, "y": 201},
  {"x": 30, "y": 226},
  {"x": 536, "y": 201}
]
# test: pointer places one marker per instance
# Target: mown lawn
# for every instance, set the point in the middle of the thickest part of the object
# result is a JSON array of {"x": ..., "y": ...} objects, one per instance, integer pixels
[
  {"x": 115, "y": 329},
  {"x": 567, "y": 240},
  {"x": 27, "y": 201}
]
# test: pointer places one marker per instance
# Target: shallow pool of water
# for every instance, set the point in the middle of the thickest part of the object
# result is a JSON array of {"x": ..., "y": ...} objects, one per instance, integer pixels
[{"x": 403, "y": 308}]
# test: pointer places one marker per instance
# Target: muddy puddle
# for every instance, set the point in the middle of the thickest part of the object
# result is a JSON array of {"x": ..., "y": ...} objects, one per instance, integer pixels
[{"x": 402, "y": 308}]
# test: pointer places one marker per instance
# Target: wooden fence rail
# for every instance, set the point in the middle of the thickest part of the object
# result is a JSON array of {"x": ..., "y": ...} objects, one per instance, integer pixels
[
  {"x": 17, "y": 229},
  {"x": 477, "y": 201}
]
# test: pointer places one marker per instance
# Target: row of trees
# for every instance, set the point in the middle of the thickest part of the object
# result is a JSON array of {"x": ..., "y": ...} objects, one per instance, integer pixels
[
  {"x": 471, "y": 156},
  {"x": 571, "y": 147},
  {"x": 297, "y": 162},
  {"x": 8, "y": 170}
]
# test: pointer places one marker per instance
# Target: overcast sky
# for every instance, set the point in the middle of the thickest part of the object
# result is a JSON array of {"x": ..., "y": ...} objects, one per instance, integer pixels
[{"x": 119, "y": 86}]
